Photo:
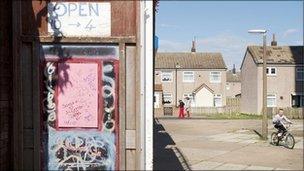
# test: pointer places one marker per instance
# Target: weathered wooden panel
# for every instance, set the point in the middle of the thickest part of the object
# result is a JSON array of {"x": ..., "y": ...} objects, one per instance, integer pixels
[
  {"x": 27, "y": 93},
  {"x": 131, "y": 160},
  {"x": 124, "y": 18},
  {"x": 33, "y": 17},
  {"x": 123, "y": 23},
  {"x": 28, "y": 138},
  {"x": 130, "y": 87},
  {"x": 130, "y": 139},
  {"x": 6, "y": 75},
  {"x": 28, "y": 163},
  {"x": 33, "y": 22}
]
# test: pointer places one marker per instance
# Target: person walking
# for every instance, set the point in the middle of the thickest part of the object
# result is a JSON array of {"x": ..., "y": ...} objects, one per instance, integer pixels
[
  {"x": 187, "y": 106},
  {"x": 181, "y": 109}
]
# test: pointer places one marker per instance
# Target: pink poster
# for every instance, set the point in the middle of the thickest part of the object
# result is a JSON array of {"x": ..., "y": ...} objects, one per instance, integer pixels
[{"x": 77, "y": 98}]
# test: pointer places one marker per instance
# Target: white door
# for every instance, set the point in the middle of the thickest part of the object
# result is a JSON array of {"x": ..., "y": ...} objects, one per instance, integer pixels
[{"x": 204, "y": 98}]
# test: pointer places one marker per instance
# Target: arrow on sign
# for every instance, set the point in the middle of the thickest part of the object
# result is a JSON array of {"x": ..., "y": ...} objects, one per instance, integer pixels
[{"x": 77, "y": 24}]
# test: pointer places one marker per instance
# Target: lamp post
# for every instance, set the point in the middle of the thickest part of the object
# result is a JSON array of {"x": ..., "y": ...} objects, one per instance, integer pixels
[
  {"x": 264, "y": 111},
  {"x": 176, "y": 67}
]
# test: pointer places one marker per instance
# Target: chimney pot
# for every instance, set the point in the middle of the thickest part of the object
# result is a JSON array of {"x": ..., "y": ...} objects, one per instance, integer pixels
[
  {"x": 193, "y": 49},
  {"x": 273, "y": 42}
]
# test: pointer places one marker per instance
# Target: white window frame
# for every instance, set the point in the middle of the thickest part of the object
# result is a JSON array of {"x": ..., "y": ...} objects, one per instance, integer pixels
[
  {"x": 170, "y": 96},
  {"x": 227, "y": 86},
  {"x": 300, "y": 70},
  {"x": 157, "y": 100},
  {"x": 212, "y": 74},
  {"x": 191, "y": 96},
  {"x": 170, "y": 75},
  {"x": 269, "y": 71},
  {"x": 275, "y": 100},
  {"x": 218, "y": 96},
  {"x": 189, "y": 73}
]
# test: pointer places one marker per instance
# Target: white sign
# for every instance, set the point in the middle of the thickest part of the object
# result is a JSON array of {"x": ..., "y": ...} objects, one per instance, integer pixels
[{"x": 79, "y": 19}]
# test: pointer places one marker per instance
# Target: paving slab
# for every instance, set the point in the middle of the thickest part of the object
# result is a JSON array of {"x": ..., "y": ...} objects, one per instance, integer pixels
[
  {"x": 259, "y": 168},
  {"x": 280, "y": 169},
  {"x": 229, "y": 166},
  {"x": 205, "y": 165},
  {"x": 194, "y": 155},
  {"x": 217, "y": 144}
]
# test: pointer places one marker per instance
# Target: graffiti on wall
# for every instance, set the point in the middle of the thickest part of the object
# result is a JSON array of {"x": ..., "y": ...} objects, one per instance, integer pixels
[
  {"x": 108, "y": 95},
  {"x": 81, "y": 149}
]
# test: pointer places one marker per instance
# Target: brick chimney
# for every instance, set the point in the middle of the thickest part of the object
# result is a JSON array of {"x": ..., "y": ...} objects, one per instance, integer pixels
[
  {"x": 193, "y": 49},
  {"x": 273, "y": 42}
]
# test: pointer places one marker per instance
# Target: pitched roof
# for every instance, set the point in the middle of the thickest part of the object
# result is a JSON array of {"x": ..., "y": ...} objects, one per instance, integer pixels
[
  {"x": 230, "y": 77},
  {"x": 278, "y": 54},
  {"x": 202, "y": 86},
  {"x": 164, "y": 60}
]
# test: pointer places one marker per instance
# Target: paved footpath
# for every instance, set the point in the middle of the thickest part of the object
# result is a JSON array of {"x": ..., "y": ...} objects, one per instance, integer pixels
[{"x": 197, "y": 144}]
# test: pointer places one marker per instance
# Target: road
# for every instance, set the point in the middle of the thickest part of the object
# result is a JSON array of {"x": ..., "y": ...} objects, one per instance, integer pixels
[{"x": 198, "y": 144}]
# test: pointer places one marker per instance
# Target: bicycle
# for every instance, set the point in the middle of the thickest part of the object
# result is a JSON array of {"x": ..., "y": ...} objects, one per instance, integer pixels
[{"x": 287, "y": 138}]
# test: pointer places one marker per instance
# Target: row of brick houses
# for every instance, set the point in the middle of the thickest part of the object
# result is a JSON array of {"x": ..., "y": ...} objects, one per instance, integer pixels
[
  {"x": 205, "y": 79},
  {"x": 199, "y": 76}
]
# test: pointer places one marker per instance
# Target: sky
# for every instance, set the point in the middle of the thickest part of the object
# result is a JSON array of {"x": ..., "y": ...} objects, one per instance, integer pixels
[{"x": 222, "y": 26}]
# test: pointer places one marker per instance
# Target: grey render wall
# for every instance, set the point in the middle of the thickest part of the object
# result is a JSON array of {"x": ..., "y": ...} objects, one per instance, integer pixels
[{"x": 249, "y": 89}]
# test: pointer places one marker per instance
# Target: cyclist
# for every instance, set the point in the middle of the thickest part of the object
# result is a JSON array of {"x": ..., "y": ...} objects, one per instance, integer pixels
[{"x": 279, "y": 121}]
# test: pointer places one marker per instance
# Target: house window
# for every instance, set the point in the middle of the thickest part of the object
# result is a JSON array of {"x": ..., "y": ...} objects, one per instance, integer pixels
[
  {"x": 191, "y": 97},
  {"x": 271, "y": 100},
  {"x": 188, "y": 76},
  {"x": 217, "y": 100},
  {"x": 166, "y": 76},
  {"x": 227, "y": 86},
  {"x": 271, "y": 71},
  {"x": 156, "y": 100},
  {"x": 215, "y": 77},
  {"x": 300, "y": 74},
  {"x": 167, "y": 98},
  {"x": 297, "y": 100}
]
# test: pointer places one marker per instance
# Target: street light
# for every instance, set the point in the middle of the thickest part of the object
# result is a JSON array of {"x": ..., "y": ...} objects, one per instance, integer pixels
[
  {"x": 264, "y": 119},
  {"x": 176, "y": 67}
]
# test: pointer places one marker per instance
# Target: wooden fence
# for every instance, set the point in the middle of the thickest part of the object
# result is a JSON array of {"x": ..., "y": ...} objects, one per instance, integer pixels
[
  {"x": 232, "y": 106},
  {"x": 293, "y": 113}
]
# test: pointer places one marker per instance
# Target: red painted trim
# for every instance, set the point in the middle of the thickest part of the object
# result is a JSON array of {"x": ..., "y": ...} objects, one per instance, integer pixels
[{"x": 117, "y": 119}]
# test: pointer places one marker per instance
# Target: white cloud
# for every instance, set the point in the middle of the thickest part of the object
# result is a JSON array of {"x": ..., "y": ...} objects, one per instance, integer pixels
[
  {"x": 168, "y": 26},
  {"x": 289, "y": 32}
]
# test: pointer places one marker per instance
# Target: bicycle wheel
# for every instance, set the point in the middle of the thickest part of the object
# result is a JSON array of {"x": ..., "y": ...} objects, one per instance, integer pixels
[
  {"x": 274, "y": 138},
  {"x": 289, "y": 141}
]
